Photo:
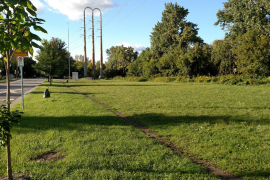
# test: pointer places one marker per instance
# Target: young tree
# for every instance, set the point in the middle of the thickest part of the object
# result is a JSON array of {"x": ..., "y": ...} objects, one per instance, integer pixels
[
  {"x": 16, "y": 19},
  {"x": 52, "y": 58}
]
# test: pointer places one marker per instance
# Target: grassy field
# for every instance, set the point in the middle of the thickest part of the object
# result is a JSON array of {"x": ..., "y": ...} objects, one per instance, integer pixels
[
  {"x": 228, "y": 125},
  {"x": 91, "y": 142}
]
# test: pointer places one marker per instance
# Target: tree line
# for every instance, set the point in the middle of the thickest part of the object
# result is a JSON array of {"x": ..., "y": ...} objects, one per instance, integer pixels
[{"x": 177, "y": 50}]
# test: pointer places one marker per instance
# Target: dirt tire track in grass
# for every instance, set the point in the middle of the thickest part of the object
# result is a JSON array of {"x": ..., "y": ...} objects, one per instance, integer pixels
[{"x": 207, "y": 164}]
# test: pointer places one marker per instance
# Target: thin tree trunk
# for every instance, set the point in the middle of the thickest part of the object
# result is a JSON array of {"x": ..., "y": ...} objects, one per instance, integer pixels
[
  {"x": 50, "y": 75},
  {"x": 9, "y": 169}
]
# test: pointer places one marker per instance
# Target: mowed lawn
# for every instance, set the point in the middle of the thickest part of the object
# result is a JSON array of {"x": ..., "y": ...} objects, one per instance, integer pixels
[
  {"x": 225, "y": 124},
  {"x": 92, "y": 142}
]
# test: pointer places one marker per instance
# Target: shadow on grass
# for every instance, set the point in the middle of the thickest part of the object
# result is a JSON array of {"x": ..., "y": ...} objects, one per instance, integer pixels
[
  {"x": 148, "y": 120},
  {"x": 83, "y": 123},
  {"x": 140, "y": 84},
  {"x": 111, "y": 155},
  {"x": 62, "y": 92},
  {"x": 29, "y": 124},
  {"x": 152, "y": 119}
]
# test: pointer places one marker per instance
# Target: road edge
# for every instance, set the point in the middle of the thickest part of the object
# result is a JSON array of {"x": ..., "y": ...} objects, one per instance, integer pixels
[{"x": 17, "y": 100}]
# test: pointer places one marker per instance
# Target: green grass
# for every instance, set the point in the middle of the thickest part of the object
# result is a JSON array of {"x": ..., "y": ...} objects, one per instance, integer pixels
[
  {"x": 4, "y": 80},
  {"x": 96, "y": 143},
  {"x": 228, "y": 125}
]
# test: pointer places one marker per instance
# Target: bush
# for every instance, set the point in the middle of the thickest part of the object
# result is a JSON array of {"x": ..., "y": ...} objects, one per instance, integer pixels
[{"x": 240, "y": 80}]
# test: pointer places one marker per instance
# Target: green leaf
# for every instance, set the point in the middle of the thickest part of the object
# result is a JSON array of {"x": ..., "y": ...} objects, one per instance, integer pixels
[
  {"x": 34, "y": 36},
  {"x": 7, "y": 102},
  {"x": 39, "y": 28},
  {"x": 25, "y": 44},
  {"x": 38, "y": 19},
  {"x": 13, "y": 2},
  {"x": 27, "y": 33},
  {"x": 21, "y": 13},
  {"x": 33, "y": 13},
  {"x": 31, "y": 6},
  {"x": 23, "y": 3},
  {"x": 14, "y": 44},
  {"x": 1, "y": 9},
  {"x": 31, "y": 51},
  {"x": 35, "y": 44}
]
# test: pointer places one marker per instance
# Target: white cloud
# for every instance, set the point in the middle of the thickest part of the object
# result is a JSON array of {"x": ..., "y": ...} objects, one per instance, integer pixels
[
  {"x": 136, "y": 47},
  {"x": 39, "y": 5},
  {"x": 35, "y": 53},
  {"x": 74, "y": 8}
]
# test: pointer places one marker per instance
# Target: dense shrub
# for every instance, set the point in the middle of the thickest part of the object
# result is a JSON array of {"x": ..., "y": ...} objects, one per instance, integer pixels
[{"x": 224, "y": 79}]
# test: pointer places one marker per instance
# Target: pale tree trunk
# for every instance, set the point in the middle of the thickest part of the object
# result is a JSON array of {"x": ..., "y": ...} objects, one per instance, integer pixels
[
  {"x": 9, "y": 169},
  {"x": 50, "y": 75}
]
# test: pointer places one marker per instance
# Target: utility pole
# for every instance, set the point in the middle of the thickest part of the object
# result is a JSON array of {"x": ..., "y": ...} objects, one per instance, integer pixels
[
  {"x": 93, "y": 46},
  {"x": 68, "y": 55},
  {"x": 85, "y": 57},
  {"x": 101, "y": 49}
]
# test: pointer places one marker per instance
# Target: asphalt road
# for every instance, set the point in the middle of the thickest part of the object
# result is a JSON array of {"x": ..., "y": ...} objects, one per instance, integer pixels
[{"x": 16, "y": 89}]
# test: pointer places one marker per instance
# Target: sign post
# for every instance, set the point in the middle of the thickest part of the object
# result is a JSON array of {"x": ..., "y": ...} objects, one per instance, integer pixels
[{"x": 21, "y": 64}]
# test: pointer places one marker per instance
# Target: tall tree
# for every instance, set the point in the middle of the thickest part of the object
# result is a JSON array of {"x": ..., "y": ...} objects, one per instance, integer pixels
[
  {"x": 145, "y": 65},
  {"x": 238, "y": 16},
  {"x": 119, "y": 57},
  {"x": 223, "y": 57},
  {"x": 253, "y": 54},
  {"x": 165, "y": 35},
  {"x": 248, "y": 29},
  {"x": 16, "y": 20},
  {"x": 195, "y": 60},
  {"x": 52, "y": 58},
  {"x": 77, "y": 65}
]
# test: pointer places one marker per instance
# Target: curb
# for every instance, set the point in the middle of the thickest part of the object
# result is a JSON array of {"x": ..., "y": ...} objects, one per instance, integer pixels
[{"x": 17, "y": 100}]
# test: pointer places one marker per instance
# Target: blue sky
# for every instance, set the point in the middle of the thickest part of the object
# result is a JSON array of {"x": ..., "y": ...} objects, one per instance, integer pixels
[{"x": 127, "y": 22}]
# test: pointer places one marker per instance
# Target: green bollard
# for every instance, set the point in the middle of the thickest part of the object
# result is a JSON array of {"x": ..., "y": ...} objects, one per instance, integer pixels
[{"x": 46, "y": 93}]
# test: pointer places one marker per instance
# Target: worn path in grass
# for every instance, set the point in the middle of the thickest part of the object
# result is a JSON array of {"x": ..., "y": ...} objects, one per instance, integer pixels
[
  {"x": 221, "y": 124},
  {"x": 212, "y": 169},
  {"x": 93, "y": 143}
]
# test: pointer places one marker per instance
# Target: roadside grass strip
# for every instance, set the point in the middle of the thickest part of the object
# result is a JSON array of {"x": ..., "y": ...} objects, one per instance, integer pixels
[
  {"x": 88, "y": 142},
  {"x": 223, "y": 124}
]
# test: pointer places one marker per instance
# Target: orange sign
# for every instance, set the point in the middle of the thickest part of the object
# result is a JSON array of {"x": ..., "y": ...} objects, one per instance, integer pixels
[{"x": 20, "y": 53}]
